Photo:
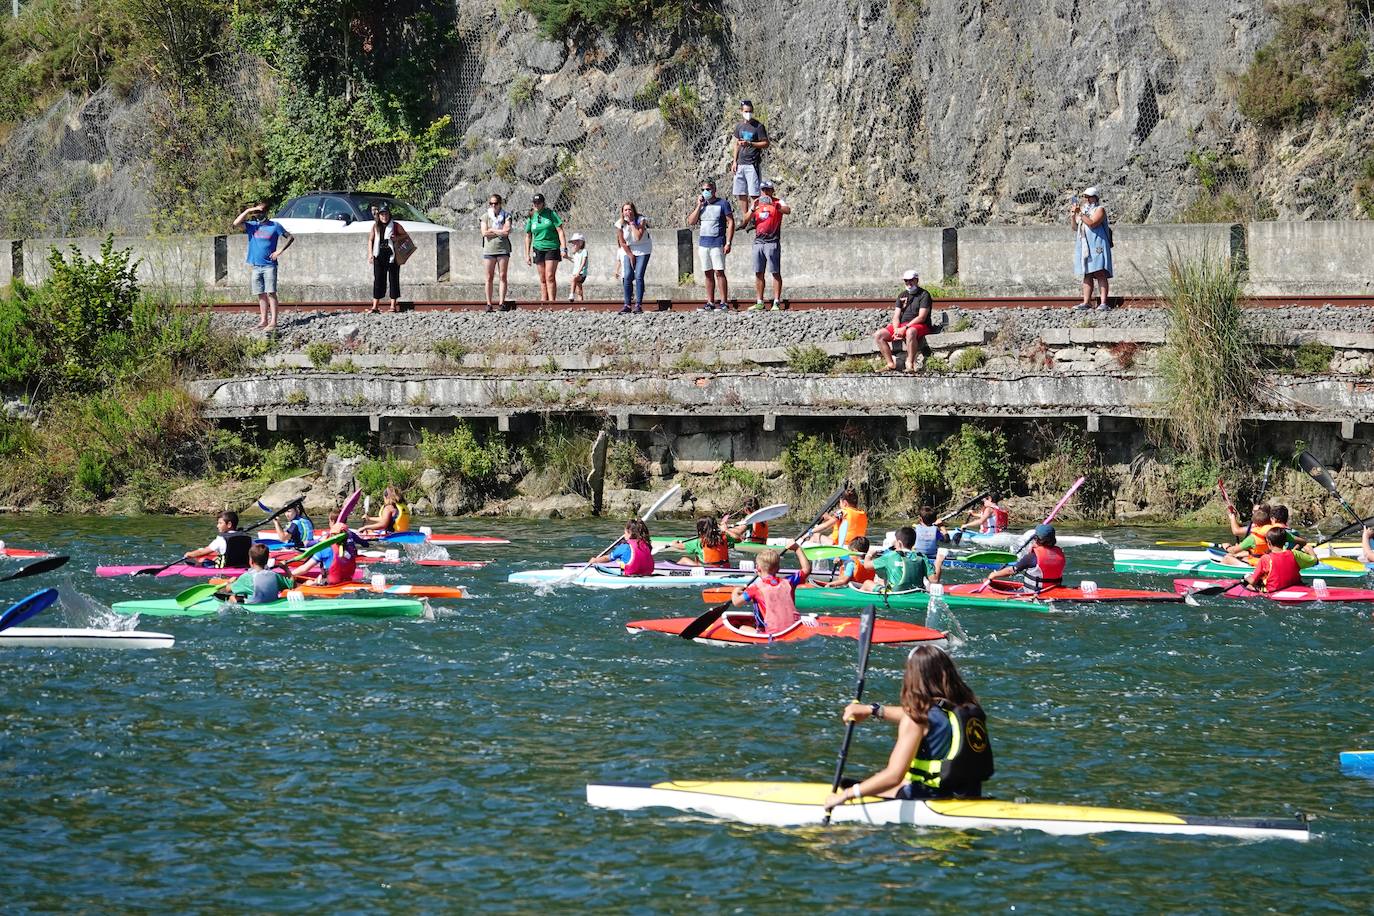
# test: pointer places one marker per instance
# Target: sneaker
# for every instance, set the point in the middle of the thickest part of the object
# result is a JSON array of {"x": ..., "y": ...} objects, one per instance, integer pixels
[
  {"x": 1104, "y": 307},
  {"x": 638, "y": 310},
  {"x": 708, "y": 307},
  {"x": 757, "y": 306},
  {"x": 777, "y": 306},
  {"x": 1082, "y": 306},
  {"x": 572, "y": 298},
  {"x": 624, "y": 310}
]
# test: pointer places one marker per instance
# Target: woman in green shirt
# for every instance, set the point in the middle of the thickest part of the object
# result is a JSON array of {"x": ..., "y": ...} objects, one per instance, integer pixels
[{"x": 545, "y": 245}]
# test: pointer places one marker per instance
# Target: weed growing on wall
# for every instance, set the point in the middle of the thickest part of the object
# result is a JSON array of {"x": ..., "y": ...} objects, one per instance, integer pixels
[{"x": 978, "y": 459}]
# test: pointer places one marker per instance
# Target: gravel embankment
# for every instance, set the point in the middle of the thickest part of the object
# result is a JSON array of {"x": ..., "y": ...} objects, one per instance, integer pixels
[{"x": 607, "y": 333}]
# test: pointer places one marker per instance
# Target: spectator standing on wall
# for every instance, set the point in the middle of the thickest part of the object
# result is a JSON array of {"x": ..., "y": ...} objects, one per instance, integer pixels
[
  {"x": 751, "y": 139},
  {"x": 1092, "y": 254},
  {"x": 495, "y": 230},
  {"x": 766, "y": 218},
  {"x": 717, "y": 220},
  {"x": 910, "y": 322},
  {"x": 636, "y": 245},
  {"x": 263, "y": 235},
  {"x": 545, "y": 244},
  {"x": 383, "y": 245}
]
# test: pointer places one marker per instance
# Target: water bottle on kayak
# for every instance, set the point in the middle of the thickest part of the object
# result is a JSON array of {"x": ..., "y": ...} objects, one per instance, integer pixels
[
  {"x": 378, "y": 582},
  {"x": 1089, "y": 588},
  {"x": 1319, "y": 588}
]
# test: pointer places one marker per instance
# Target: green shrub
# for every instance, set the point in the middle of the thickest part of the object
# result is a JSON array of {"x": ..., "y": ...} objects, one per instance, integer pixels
[
  {"x": 231, "y": 455},
  {"x": 562, "y": 451},
  {"x": 348, "y": 448},
  {"x": 522, "y": 90},
  {"x": 320, "y": 353},
  {"x": 458, "y": 455},
  {"x": 814, "y": 466},
  {"x": 626, "y": 464},
  {"x": 969, "y": 358},
  {"x": 451, "y": 350},
  {"x": 936, "y": 365},
  {"x": 978, "y": 459},
  {"x": 808, "y": 359},
  {"x": 915, "y": 477},
  {"x": 561, "y": 17},
  {"x": 1314, "y": 64},
  {"x": 963, "y": 324},
  {"x": 1313, "y": 358},
  {"x": 749, "y": 483},
  {"x": 375, "y": 475},
  {"x": 680, "y": 108},
  {"x": 21, "y": 358}
]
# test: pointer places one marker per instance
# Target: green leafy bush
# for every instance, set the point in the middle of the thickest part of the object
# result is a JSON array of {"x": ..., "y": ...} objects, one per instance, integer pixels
[
  {"x": 320, "y": 353},
  {"x": 808, "y": 359},
  {"x": 814, "y": 466},
  {"x": 969, "y": 359},
  {"x": 978, "y": 459},
  {"x": 1316, "y": 63},
  {"x": 748, "y": 482},
  {"x": 375, "y": 475},
  {"x": 680, "y": 108},
  {"x": 626, "y": 463},
  {"x": 1313, "y": 358},
  {"x": 460, "y": 456},
  {"x": 915, "y": 477}
]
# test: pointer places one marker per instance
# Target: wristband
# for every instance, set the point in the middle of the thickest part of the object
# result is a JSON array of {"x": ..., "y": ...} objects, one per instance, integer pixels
[
  {"x": 854, "y": 791},
  {"x": 876, "y": 710}
]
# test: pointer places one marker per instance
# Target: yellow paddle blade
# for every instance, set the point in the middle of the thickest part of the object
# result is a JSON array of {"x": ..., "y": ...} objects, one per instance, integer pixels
[
  {"x": 1345, "y": 563},
  {"x": 1184, "y": 544}
]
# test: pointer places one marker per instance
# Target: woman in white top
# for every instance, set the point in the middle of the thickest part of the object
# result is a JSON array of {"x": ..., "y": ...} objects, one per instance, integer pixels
[
  {"x": 495, "y": 229},
  {"x": 635, "y": 246},
  {"x": 386, "y": 273}
]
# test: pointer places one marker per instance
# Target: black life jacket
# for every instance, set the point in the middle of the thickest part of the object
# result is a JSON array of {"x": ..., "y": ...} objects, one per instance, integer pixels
[
  {"x": 967, "y": 763},
  {"x": 236, "y": 547}
]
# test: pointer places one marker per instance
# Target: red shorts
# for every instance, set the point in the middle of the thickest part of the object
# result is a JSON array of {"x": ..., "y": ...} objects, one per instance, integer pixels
[{"x": 898, "y": 331}]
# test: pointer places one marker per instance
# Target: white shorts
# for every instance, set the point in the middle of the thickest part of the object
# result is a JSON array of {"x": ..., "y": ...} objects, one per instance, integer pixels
[
  {"x": 746, "y": 181},
  {"x": 712, "y": 258}
]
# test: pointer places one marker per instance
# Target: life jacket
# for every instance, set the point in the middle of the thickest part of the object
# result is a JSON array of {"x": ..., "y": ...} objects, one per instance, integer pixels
[
  {"x": 927, "y": 540},
  {"x": 968, "y": 761},
  {"x": 758, "y": 533},
  {"x": 996, "y": 521},
  {"x": 716, "y": 556},
  {"x": 903, "y": 575},
  {"x": 402, "y": 522},
  {"x": 236, "y": 547},
  {"x": 1049, "y": 566},
  {"x": 300, "y": 532},
  {"x": 343, "y": 566},
  {"x": 1261, "y": 546},
  {"x": 776, "y": 601},
  {"x": 1280, "y": 570},
  {"x": 853, "y": 524},
  {"x": 641, "y": 559}
]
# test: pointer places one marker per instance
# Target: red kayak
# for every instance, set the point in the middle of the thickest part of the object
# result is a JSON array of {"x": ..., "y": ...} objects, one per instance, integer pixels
[
  {"x": 1297, "y": 594},
  {"x": 737, "y": 628},
  {"x": 21, "y": 554}
]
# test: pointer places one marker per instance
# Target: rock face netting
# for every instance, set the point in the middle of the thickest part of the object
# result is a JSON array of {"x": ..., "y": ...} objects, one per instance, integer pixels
[{"x": 892, "y": 113}]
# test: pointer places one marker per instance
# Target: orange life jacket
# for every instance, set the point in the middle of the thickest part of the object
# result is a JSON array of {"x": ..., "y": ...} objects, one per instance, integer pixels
[{"x": 1261, "y": 542}]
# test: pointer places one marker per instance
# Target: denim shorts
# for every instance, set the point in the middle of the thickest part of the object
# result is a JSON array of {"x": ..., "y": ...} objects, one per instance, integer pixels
[
  {"x": 767, "y": 257},
  {"x": 264, "y": 279}
]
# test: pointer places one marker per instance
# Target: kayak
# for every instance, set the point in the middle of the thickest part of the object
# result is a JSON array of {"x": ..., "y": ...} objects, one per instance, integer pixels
[
  {"x": 310, "y": 607},
  {"x": 610, "y": 577},
  {"x": 737, "y": 629},
  {"x": 1200, "y": 564},
  {"x": 183, "y": 569},
  {"x": 1356, "y": 761},
  {"x": 362, "y": 588},
  {"x": 456, "y": 564},
  {"x": 784, "y": 804},
  {"x": 1010, "y": 540},
  {"x": 18, "y": 553},
  {"x": 811, "y": 597},
  {"x": 1297, "y": 594},
  {"x": 463, "y": 540},
  {"x": 53, "y": 637},
  {"x": 974, "y": 594}
]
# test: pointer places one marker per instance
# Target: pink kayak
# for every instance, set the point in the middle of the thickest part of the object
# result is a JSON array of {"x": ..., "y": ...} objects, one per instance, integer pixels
[
  {"x": 181, "y": 569},
  {"x": 1236, "y": 588}
]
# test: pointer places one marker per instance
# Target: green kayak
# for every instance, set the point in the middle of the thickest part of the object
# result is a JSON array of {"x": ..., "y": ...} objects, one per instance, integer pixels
[
  {"x": 834, "y": 599},
  {"x": 1206, "y": 569},
  {"x": 311, "y": 607}
]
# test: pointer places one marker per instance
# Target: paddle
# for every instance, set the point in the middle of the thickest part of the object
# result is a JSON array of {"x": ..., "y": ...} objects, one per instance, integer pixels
[
  {"x": 298, "y": 501},
  {"x": 866, "y": 620},
  {"x": 1264, "y": 484},
  {"x": 1000, "y": 557},
  {"x": 347, "y": 508},
  {"x": 644, "y": 517},
  {"x": 1363, "y": 523},
  {"x": 1225, "y": 497},
  {"x": 26, "y": 608},
  {"x": 1049, "y": 518},
  {"x": 813, "y": 552},
  {"x": 698, "y": 626},
  {"x": 196, "y": 594},
  {"x": 964, "y": 508},
  {"x": 35, "y": 569},
  {"x": 317, "y": 548},
  {"x": 1314, "y": 469}
]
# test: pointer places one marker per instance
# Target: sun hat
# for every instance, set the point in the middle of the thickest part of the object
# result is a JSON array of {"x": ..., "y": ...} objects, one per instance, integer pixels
[
  {"x": 766, "y": 183},
  {"x": 578, "y": 237},
  {"x": 1091, "y": 192}
]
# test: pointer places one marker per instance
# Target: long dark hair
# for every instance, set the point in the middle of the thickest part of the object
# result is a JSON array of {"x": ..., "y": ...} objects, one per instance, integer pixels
[
  {"x": 930, "y": 675},
  {"x": 709, "y": 532},
  {"x": 637, "y": 530}
]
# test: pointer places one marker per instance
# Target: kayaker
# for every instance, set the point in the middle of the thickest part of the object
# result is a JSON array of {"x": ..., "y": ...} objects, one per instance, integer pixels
[
  {"x": 1277, "y": 568},
  {"x": 635, "y": 553},
  {"x": 929, "y": 536},
  {"x": 1366, "y": 552},
  {"x": 756, "y": 533},
  {"x": 991, "y": 518},
  {"x": 229, "y": 550},
  {"x": 1040, "y": 568},
  {"x": 299, "y": 530},
  {"x": 901, "y": 569},
  {"x": 1238, "y": 530},
  {"x": 259, "y": 585},
  {"x": 394, "y": 515},
  {"x": 853, "y": 570},
  {"x": 774, "y": 596},
  {"x": 338, "y": 564},
  {"x": 1254, "y": 544},
  {"x": 711, "y": 546},
  {"x": 847, "y": 523},
  {"x": 942, "y": 748}
]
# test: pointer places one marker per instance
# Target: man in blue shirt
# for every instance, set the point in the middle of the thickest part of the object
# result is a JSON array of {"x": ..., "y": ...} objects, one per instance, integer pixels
[
  {"x": 263, "y": 235},
  {"x": 717, "y": 234}
]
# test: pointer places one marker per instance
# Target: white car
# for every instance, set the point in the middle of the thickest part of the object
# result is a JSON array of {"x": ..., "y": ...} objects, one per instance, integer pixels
[{"x": 348, "y": 212}]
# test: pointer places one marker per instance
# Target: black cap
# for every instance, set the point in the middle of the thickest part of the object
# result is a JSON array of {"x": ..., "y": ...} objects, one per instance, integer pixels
[{"x": 538, "y": 199}]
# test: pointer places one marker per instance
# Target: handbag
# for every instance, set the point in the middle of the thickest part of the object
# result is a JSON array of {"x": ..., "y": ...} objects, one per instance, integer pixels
[{"x": 402, "y": 245}]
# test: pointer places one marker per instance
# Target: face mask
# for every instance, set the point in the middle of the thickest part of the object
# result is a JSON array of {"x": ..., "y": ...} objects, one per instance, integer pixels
[
  {"x": 747, "y": 115},
  {"x": 911, "y": 286},
  {"x": 765, "y": 199}
]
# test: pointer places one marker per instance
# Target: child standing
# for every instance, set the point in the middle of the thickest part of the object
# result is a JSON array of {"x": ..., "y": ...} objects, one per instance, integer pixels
[{"x": 578, "y": 244}]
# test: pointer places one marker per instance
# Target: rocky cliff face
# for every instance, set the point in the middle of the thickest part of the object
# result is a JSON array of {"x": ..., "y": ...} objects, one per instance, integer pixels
[{"x": 893, "y": 113}]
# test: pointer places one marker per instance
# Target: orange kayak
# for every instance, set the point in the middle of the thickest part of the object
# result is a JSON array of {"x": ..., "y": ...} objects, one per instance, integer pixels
[
  {"x": 737, "y": 628},
  {"x": 355, "y": 588}
]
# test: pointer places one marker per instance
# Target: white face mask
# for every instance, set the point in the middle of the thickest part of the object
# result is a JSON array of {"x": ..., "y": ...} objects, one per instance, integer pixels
[
  {"x": 765, "y": 199},
  {"x": 911, "y": 284},
  {"x": 747, "y": 115}
]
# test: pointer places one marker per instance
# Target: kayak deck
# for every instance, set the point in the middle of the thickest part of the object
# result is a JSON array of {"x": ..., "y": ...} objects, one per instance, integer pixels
[
  {"x": 65, "y": 638},
  {"x": 1296, "y": 594},
  {"x": 311, "y": 607},
  {"x": 605, "y": 577},
  {"x": 738, "y": 629},
  {"x": 782, "y": 804},
  {"x": 976, "y": 595}
]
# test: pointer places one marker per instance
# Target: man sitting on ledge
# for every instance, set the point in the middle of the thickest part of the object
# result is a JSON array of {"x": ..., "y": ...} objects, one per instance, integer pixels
[{"x": 910, "y": 323}]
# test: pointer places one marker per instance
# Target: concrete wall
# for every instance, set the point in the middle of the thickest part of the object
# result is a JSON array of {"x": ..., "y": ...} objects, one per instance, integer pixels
[
  {"x": 1038, "y": 260},
  {"x": 1325, "y": 258},
  {"x": 184, "y": 262},
  {"x": 7, "y": 253}
]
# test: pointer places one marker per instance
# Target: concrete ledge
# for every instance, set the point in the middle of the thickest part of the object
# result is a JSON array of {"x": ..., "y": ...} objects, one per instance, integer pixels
[
  {"x": 1316, "y": 258},
  {"x": 1063, "y": 337},
  {"x": 185, "y": 262}
]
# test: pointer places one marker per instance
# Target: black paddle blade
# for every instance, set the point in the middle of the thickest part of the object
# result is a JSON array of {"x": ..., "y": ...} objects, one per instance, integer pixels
[
  {"x": 1314, "y": 469},
  {"x": 703, "y": 623},
  {"x": 37, "y": 569}
]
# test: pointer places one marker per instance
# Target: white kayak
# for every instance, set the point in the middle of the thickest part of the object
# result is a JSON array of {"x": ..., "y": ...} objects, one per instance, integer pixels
[
  {"x": 45, "y": 637},
  {"x": 610, "y": 577},
  {"x": 785, "y": 804},
  {"x": 1010, "y": 540}
]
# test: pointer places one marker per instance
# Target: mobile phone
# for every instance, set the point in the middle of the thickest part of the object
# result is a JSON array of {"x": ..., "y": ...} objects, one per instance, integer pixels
[{"x": 1074, "y": 200}]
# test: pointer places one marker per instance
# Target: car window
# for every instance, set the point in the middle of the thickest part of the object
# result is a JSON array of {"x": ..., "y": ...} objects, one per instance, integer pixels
[
  {"x": 399, "y": 208},
  {"x": 300, "y": 208},
  {"x": 334, "y": 207}
]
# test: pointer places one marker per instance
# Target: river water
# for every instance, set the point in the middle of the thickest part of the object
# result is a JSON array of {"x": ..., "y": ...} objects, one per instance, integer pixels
[{"x": 292, "y": 764}]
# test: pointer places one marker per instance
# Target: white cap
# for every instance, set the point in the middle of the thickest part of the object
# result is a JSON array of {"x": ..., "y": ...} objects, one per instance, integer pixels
[
  {"x": 911, "y": 275},
  {"x": 1091, "y": 192},
  {"x": 578, "y": 237}
]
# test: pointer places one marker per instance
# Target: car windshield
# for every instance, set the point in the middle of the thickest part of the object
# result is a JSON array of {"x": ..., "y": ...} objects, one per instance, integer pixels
[{"x": 399, "y": 208}]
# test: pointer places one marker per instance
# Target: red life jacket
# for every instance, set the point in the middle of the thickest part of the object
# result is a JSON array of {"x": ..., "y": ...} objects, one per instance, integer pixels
[
  {"x": 641, "y": 559},
  {"x": 997, "y": 521},
  {"x": 1279, "y": 570},
  {"x": 1049, "y": 565},
  {"x": 775, "y": 599},
  {"x": 344, "y": 567}
]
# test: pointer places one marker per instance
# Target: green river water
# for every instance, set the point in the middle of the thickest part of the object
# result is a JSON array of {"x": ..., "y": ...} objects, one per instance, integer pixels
[{"x": 346, "y": 765}]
